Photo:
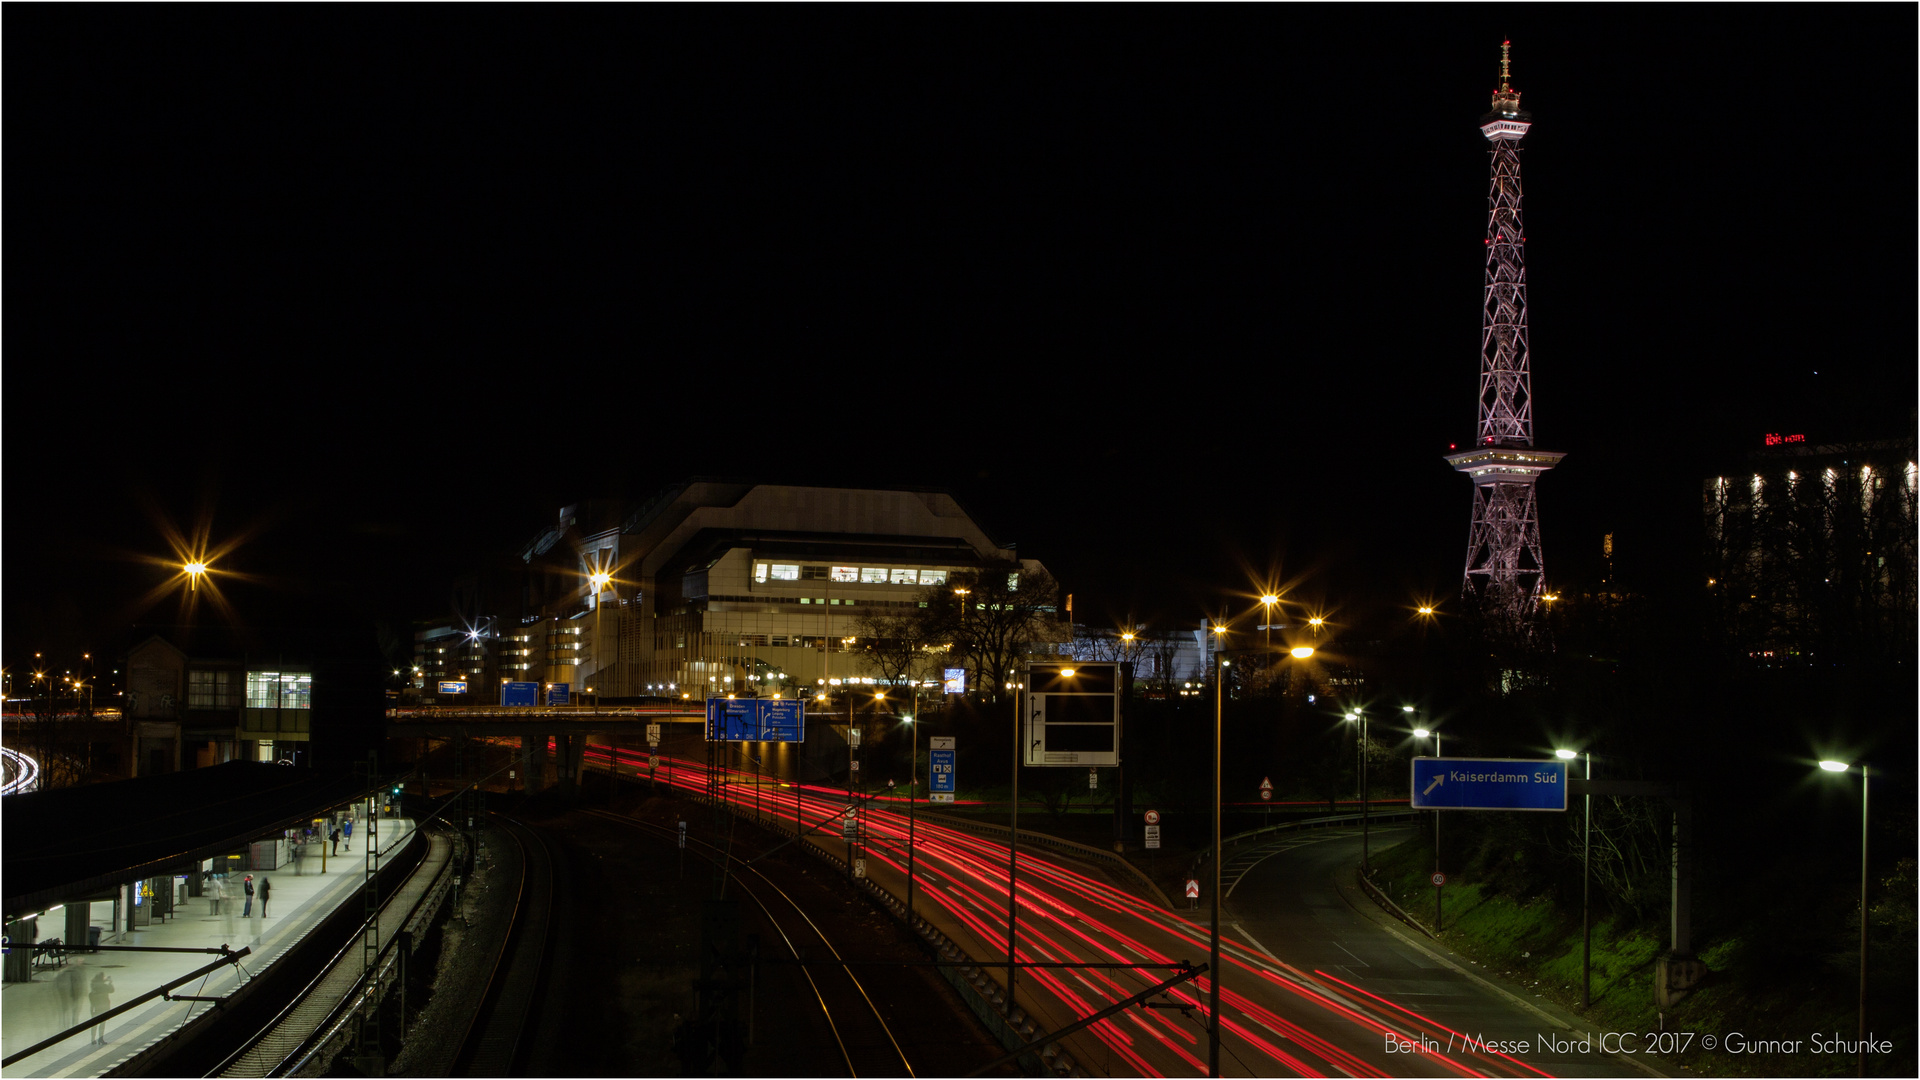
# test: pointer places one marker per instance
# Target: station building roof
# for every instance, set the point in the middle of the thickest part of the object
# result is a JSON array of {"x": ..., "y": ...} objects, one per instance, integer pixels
[{"x": 74, "y": 841}]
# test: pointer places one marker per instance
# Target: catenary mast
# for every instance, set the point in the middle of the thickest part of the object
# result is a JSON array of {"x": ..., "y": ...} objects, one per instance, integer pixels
[{"x": 1504, "y": 571}]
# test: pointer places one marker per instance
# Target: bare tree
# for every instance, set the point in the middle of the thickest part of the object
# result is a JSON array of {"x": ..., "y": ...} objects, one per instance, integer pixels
[
  {"x": 993, "y": 617},
  {"x": 893, "y": 644}
]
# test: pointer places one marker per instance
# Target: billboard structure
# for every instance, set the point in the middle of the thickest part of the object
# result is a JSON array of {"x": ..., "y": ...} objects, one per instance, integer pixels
[{"x": 1070, "y": 714}]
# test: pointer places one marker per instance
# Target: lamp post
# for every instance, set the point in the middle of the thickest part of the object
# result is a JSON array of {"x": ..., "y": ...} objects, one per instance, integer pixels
[
  {"x": 1213, "y": 969},
  {"x": 1266, "y": 627},
  {"x": 1866, "y": 784},
  {"x": 1421, "y": 733},
  {"x": 1586, "y": 881},
  {"x": 913, "y": 779},
  {"x": 1366, "y": 865}
]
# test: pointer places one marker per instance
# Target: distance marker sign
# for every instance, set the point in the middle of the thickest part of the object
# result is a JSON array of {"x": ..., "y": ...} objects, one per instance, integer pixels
[{"x": 1488, "y": 784}]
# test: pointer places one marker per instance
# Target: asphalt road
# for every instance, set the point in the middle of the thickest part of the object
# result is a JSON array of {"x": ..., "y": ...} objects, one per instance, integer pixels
[
  {"x": 1291, "y": 905},
  {"x": 1335, "y": 1001}
]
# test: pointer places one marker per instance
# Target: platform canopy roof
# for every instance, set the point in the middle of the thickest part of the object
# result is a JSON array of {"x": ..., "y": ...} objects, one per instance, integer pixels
[{"x": 70, "y": 842}]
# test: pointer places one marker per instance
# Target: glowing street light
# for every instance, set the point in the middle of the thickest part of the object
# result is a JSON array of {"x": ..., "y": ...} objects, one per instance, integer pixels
[
  {"x": 194, "y": 572},
  {"x": 1866, "y": 783},
  {"x": 1361, "y": 717},
  {"x": 1301, "y": 652}
]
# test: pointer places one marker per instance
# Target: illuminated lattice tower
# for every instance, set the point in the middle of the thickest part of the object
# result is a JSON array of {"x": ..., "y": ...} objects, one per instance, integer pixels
[{"x": 1504, "y": 567}]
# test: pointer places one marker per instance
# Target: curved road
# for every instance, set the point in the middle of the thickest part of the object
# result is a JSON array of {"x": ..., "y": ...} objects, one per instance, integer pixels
[
  {"x": 1290, "y": 1015},
  {"x": 1291, "y": 905}
]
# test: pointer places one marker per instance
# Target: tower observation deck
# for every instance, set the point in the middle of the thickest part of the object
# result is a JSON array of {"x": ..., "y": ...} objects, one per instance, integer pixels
[{"x": 1504, "y": 567}]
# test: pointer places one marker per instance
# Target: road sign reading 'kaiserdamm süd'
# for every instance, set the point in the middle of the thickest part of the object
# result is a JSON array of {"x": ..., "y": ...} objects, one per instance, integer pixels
[{"x": 1488, "y": 784}]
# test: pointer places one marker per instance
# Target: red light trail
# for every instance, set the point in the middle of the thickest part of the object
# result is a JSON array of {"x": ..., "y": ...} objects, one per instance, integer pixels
[{"x": 1276, "y": 1019}]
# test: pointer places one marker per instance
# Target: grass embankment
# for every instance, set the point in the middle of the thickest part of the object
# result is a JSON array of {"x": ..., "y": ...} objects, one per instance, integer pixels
[{"x": 1536, "y": 944}]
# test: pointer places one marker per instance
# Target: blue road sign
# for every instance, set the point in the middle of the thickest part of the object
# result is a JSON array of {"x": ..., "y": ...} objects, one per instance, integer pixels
[
  {"x": 940, "y": 774},
  {"x": 520, "y": 693},
  {"x": 756, "y": 720},
  {"x": 557, "y": 693},
  {"x": 1488, "y": 784},
  {"x": 452, "y": 687},
  {"x": 782, "y": 720}
]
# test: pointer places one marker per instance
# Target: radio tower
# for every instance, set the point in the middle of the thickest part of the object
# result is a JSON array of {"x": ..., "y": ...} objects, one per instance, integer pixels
[{"x": 1504, "y": 568}]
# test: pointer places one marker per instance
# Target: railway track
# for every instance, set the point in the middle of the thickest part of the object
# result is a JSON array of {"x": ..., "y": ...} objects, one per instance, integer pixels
[
  {"x": 497, "y": 1036},
  {"x": 865, "y": 1040}
]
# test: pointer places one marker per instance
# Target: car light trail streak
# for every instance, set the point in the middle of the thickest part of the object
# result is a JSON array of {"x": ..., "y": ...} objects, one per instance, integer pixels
[{"x": 1066, "y": 916}]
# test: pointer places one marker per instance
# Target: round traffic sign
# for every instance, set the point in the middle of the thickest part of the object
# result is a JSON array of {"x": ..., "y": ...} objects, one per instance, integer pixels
[
  {"x": 1266, "y": 794},
  {"x": 1439, "y": 879},
  {"x": 1153, "y": 817}
]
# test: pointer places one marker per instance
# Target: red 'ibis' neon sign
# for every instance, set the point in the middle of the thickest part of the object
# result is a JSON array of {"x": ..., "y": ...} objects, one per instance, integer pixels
[{"x": 1776, "y": 440}]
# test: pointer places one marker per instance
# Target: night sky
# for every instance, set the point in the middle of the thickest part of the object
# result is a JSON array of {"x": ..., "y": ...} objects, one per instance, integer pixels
[{"x": 1171, "y": 297}]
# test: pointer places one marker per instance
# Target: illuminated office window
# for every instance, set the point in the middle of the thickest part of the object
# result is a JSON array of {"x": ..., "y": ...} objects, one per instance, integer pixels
[
  {"x": 846, "y": 573},
  {"x": 874, "y": 574}
]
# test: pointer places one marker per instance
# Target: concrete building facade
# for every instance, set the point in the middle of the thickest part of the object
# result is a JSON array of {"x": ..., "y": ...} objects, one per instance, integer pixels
[{"x": 709, "y": 586}]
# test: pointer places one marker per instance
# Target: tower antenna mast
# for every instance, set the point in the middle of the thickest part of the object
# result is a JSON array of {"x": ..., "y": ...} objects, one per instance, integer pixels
[{"x": 1505, "y": 571}]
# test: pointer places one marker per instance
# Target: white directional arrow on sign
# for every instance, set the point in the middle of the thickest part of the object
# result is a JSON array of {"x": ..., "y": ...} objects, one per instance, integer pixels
[{"x": 1436, "y": 783}]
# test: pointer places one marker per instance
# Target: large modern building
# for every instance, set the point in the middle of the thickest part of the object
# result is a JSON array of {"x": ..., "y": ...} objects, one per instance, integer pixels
[
  {"x": 1810, "y": 549},
  {"x": 709, "y": 585}
]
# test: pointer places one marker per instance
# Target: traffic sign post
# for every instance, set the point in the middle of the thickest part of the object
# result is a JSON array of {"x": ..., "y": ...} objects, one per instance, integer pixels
[
  {"x": 1488, "y": 784},
  {"x": 1152, "y": 836},
  {"x": 1193, "y": 891}
]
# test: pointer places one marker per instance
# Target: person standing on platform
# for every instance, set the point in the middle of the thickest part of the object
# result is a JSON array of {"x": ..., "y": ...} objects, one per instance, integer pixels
[
  {"x": 266, "y": 890},
  {"x": 73, "y": 990},
  {"x": 333, "y": 837},
  {"x": 100, "y": 996},
  {"x": 349, "y": 834},
  {"x": 247, "y": 911}
]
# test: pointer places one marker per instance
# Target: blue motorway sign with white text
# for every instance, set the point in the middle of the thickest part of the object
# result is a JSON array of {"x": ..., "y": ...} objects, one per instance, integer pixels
[
  {"x": 756, "y": 720},
  {"x": 940, "y": 772},
  {"x": 557, "y": 693},
  {"x": 782, "y": 720},
  {"x": 1488, "y": 784},
  {"x": 520, "y": 693}
]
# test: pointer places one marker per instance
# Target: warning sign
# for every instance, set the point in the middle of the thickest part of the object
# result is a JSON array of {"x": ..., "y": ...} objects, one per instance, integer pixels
[{"x": 1193, "y": 888}]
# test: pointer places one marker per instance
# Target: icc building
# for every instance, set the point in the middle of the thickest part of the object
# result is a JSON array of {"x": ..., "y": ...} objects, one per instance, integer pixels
[{"x": 708, "y": 587}]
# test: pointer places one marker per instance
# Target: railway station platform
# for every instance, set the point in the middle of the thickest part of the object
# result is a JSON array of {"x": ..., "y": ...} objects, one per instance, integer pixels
[{"x": 57, "y": 996}]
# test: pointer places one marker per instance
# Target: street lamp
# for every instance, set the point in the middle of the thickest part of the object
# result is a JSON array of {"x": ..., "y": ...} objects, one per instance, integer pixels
[
  {"x": 1366, "y": 866},
  {"x": 1866, "y": 783},
  {"x": 913, "y": 779},
  {"x": 1213, "y": 968},
  {"x": 1266, "y": 627},
  {"x": 194, "y": 571},
  {"x": 1421, "y": 733},
  {"x": 1586, "y": 884}
]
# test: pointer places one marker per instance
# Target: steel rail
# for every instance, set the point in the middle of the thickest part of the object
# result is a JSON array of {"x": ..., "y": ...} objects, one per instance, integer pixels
[
  {"x": 791, "y": 946},
  {"x": 481, "y": 1049}
]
